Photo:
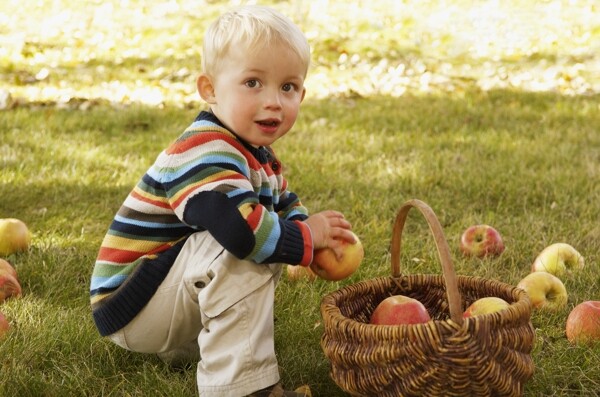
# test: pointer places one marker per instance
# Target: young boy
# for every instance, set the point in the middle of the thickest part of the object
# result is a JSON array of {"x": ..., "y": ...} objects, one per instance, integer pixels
[{"x": 191, "y": 260}]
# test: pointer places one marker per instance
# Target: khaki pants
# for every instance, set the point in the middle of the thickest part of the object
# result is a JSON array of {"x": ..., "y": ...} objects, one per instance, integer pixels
[{"x": 224, "y": 303}]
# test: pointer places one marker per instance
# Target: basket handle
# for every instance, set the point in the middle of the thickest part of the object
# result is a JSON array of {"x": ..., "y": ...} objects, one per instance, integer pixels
[{"x": 454, "y": 299}]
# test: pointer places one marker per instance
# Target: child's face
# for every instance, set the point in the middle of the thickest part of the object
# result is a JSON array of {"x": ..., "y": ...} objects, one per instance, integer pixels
[{"x": 257, "y": 95}]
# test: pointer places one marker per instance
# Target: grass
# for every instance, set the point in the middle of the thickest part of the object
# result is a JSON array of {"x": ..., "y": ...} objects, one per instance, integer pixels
[
  {"x": 488, "y": 112},
  {"x": 526, "y": 163}
]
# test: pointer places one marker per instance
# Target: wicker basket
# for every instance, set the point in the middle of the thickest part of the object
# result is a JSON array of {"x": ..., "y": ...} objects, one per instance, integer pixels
[{"x": 486, "y": 355}]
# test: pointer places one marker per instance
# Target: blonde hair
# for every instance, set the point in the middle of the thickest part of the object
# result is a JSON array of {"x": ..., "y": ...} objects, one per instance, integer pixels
[{"x": 252, "y": 27}]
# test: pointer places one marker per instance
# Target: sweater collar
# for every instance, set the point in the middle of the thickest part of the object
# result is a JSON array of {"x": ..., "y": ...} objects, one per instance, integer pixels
[{"x": 262, "y": 153}]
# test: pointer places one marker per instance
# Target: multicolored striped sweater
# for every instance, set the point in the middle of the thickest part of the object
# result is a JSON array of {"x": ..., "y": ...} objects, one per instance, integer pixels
[{"x": 207, "y": 180}]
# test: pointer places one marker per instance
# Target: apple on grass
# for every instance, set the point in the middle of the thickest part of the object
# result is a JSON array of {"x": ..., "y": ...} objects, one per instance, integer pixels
[
  {"x": 4, "y": 325},
  {"x": 326, "y": 266},
  {"x": 481, "y": 241},
  {"x": 14, "y": 236},
  {"x": 297, "y": 272},
  {"x": 488, "y": 304},
  {"x": 9, "y": 287},
  {"x": 6, "y": 267},
  {"x": 398, "y": 310},
  {"x": 583, "y": 323},
  {"x": 545, "y": 291},
  {"x": 559, "y": 259}
]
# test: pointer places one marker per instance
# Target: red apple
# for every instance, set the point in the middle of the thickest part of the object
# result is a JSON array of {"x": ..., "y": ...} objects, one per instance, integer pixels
[
  {"x": 545, "y": 291},
  {"x": 559, "y": 259},
  {"x": 489, "y": 304},
  {"x": 297, "y": 272},
  {"x": 6, "y": 267},
  {"x": 4, "y": 325},
  {"x": 481, "y": 241},
  {"x": 583, "y": 323},
  {"x": 326, "y": 265},
  {"x": 9, "y": 287},
  {"x": 14, "y": 236},
  {"x": 399, "y": 309}
]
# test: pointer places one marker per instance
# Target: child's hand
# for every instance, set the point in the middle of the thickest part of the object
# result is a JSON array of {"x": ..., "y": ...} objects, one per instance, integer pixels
[{"x": 328, "y": 229}]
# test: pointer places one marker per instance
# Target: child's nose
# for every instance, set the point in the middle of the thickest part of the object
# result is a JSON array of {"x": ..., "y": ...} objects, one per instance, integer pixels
[{"x": 272, "y": 99}]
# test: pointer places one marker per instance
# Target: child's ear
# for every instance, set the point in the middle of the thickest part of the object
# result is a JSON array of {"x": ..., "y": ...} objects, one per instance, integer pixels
[{"x": 206, "y": 89}]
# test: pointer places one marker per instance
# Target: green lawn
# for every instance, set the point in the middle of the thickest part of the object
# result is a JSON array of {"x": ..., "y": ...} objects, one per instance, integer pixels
[
  {"x": 493, "y": 120},
  {"x": 526, "y": 163}
]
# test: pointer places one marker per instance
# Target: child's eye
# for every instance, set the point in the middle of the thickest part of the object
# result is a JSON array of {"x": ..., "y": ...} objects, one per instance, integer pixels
[
  {"x": 288, "y": 87},
  {"x": 252, "y": 83}
]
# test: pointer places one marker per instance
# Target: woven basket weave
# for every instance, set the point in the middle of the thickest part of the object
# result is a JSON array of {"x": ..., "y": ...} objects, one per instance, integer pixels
[{"x": 486, "y": 355}]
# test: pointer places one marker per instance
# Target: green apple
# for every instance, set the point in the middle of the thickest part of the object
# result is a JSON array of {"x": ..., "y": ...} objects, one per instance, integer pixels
[
  {"x": 489, "y": 304},
  {"x": 545, "y": 291},
  {"x": 14, "y": 236},
  {"x": 559, "y": 259}
]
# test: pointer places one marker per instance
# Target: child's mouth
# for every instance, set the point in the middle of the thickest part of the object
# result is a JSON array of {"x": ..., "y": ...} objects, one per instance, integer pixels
[{"x": 268, "y": 123}]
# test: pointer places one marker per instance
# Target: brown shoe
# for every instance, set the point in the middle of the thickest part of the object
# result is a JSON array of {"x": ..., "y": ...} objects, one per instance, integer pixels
[{"x": 277, "y": 391}]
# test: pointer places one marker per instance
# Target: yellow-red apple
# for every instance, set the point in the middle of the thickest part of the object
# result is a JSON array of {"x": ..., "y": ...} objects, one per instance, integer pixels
[
  {"x": 6, "y": 267},
  {"x": 481, "y": 241},
  {"x": 399, "y": 309},
  {"x": 583, "y": 323},
  {"x": 297, "y": 272},
  {"x": 545, "y": 291},
  {"x": 9, "y": 286},
  {"x": 14, "y": 236},
  {"x": 4, "y": 325},
  {"x": 559, "y": 259},
  {"x": 326, "y": 266},
  {"x": 489, "y": 304}
]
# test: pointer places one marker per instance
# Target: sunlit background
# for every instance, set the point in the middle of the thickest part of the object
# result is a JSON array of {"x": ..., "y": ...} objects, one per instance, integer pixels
[{"x": 81, "y": 53}]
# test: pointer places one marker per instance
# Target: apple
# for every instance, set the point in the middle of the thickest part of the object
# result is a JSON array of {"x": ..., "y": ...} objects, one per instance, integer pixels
[
  {"x": 4, "y": 325},
  {"x": 6, "y": 267},
  {"x": 326, "y": 266},
  {"x": 481, "y": 241},
  {"x": 297, "y": 272},
  {"x": 558, "y": 259},
  {"x": 9, "y": 286},
  {"x": 545, "y": 291},
  {"x": 583, "y": 323},
  {"x": 489, "y": 304},
  {"x": 14, "y": 236},
  {"x": 399, "y": 309}
]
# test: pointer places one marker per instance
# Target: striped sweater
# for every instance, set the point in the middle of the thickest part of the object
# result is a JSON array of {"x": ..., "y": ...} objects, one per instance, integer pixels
[{"x": 207, "y": 180}]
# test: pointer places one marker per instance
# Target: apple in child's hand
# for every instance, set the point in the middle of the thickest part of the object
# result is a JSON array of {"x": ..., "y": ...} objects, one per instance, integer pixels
[
  {"x": 326, "y": 266},
  {"x": 583, "y": 323},
  {"x": 558, "y": 259},
  {"x": 481, "y": 241},
  {"x": 545, "y": 291},
  {"x": 14, "y": 236},
  {"x": 297, "y": 272},
  {"x": 489, "y": 304},
  {"x": 4, "y": 325},
  {"x": 398, "y": 310}
]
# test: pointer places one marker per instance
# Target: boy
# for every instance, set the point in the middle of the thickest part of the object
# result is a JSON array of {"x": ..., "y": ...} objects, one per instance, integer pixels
[{"x": 190, "y": 262}]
